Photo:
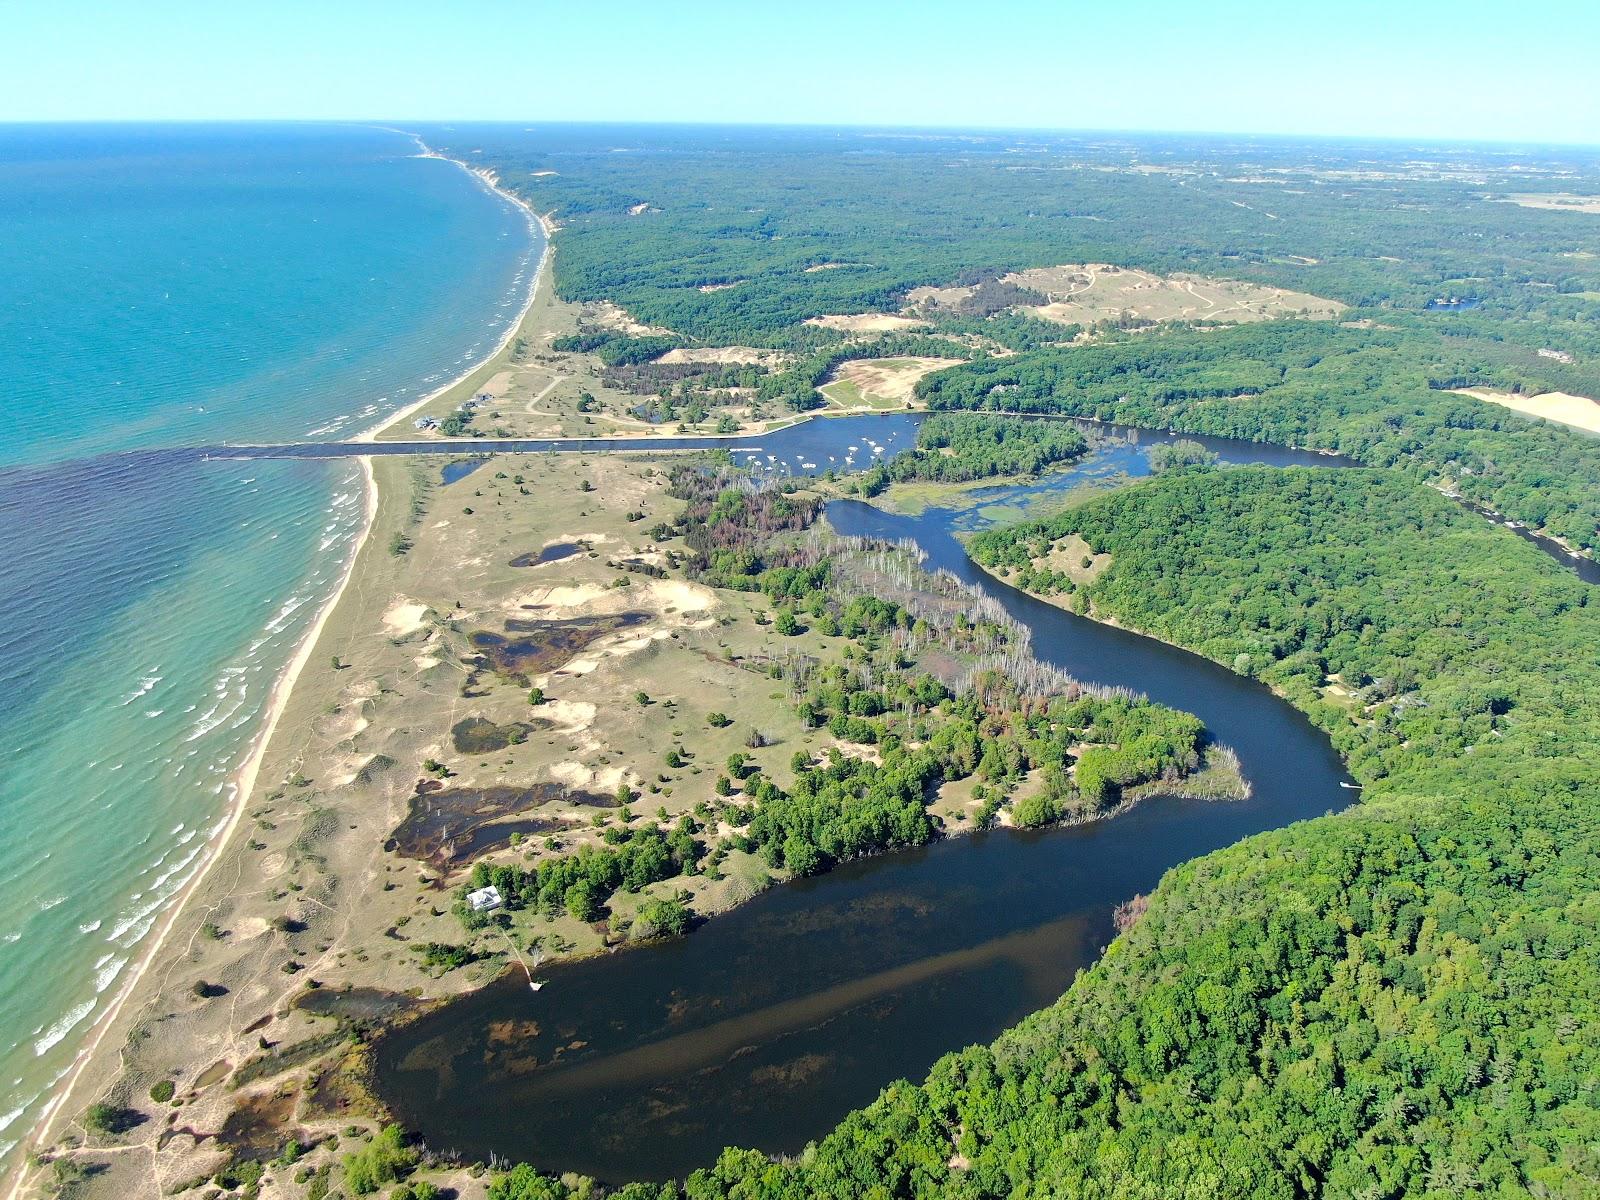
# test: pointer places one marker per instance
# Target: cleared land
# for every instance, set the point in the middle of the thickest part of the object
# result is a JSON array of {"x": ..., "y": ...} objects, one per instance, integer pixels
[
  {"x": 879, "y": 383},
  {"x": 1578, "y": 411},
  {"x": 1557, "y": 201},
  {"x": 724, "y": 354},
  {"x": 1088, "y": 293},
  {"x": 867, "y": 323}
]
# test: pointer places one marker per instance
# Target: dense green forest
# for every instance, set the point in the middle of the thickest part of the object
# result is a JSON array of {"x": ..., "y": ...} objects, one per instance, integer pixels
[
  {"x": 1373, "y": 225},
  {"x": 1402, "y": 1000},
  {"x": 1375, "y": 395}
]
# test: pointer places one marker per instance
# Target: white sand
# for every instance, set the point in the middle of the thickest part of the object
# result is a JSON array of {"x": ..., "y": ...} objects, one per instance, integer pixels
[
  {"x": 1562, "y": 407},
  {"x": 404, "y": 616}
]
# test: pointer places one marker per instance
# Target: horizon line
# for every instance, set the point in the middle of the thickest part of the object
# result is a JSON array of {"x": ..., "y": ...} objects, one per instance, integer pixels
[{"x": 887, "y": 126}]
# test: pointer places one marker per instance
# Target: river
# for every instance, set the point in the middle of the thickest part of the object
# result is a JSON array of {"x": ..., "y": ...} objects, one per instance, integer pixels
[{"x": 769, "y": 1023}]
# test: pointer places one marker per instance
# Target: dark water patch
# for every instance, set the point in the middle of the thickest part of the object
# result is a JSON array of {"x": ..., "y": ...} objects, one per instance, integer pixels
[
  {"x": 451, "y": 826},
  {"x": 260, "y": 1124},
  {"x": 540, "y": 645},
  {"x": 551, "y": 553},
  {"x": 1586, "y": 568},
  {"x": 460, "y": 468},
  {"x": 215, "y": 1073},
  {"x": 479, "y": 735},
  {"x": 824, "y": 442},
  {"x": 353, "y": 1004}
]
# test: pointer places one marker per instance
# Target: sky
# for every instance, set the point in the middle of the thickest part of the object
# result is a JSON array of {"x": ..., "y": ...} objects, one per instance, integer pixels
[{"x": 1461, "y": 69}]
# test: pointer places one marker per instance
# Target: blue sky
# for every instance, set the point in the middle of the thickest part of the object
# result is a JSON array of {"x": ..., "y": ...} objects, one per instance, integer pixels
[{"x": 1468, "y": 69}]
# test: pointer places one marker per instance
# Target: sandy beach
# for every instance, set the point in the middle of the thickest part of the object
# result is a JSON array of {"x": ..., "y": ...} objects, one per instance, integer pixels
[
  {"x": 95, "y": 1052},
  {"x": 244, "y": 783},
  {"x": 548, "y": 226}
]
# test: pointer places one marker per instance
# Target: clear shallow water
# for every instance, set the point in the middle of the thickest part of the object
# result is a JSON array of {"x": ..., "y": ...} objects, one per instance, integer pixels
[
  {"x": 164, "y": 286},
  {"x": 769, "y": 1023}
]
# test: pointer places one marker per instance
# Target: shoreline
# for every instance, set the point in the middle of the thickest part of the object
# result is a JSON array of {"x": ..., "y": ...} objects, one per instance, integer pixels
[
  {"x": 44, "y": 1127},
  {"x": 244, "y": 782},
  {"x": 546, "y": 225}
]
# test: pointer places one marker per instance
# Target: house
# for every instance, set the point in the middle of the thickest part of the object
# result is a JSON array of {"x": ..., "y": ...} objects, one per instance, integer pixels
[
  {"x": 1561, "y": 356},
  {"x": 485, "y": 899},
  {"x": 425, "y": 423}
]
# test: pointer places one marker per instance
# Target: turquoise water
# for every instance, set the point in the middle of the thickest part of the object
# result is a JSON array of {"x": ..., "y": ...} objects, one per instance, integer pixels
[{"x": 171, "y": 285}]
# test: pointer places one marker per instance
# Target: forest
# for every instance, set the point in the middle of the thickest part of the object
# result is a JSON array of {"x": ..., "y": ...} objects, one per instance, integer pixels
[
  {"x": 805, "y": 223},
  {"x": 1400, "y": 1000},
  {"x": 958, "y": 448},
  {"x": 1378, "y": 397},
  {"x": 1397, "y": 1000}
]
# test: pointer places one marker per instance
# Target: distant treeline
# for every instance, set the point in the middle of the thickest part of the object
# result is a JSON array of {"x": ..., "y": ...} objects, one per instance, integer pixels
[{"x": 885, "y": 218}]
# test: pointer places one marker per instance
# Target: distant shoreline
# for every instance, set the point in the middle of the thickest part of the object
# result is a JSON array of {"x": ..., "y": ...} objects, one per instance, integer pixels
[{"x": 546, "y": 225}]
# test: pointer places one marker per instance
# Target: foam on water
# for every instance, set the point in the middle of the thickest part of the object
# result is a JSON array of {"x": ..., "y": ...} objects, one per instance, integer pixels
[{"x": 61, "y": 1028}]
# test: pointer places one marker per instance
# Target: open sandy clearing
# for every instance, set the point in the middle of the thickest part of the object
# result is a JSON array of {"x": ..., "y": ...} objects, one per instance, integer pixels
[
  {"x": 404, "y": 616},
  {"x": 880, "y": 382},
  {"x": 867, "y": 323},
  {"x": 1084, "y": 293},
  {"x": 1097, "y": 292},
  {"x": 724, "y": 354},
  {"x": 1562, "y": 407},
  {"x": 614, "y": 316},
  {"x": 1555, "y": 201}
]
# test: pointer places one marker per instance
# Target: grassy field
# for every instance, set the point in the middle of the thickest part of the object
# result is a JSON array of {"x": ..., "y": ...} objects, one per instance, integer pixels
[{"x": 879, "y": 384}]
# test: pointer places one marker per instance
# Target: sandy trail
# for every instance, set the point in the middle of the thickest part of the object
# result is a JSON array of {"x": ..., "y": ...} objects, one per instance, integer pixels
[{"x": 543, "y": 392}]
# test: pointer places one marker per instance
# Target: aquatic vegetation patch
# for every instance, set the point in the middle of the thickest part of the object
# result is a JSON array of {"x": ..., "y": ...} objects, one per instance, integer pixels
[
  {"x": 531, "y": 646},
  {"x": 449, "y": 826}
]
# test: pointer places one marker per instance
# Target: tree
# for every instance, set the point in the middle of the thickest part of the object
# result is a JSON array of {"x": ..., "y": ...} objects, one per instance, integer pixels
[
  {"x": 661, "y": 919},
  {"x": 102, "y": 1118},
  {"x": 524, "y": 1183},
  {"x": 582, "y": 901},
  {"x": 385, "y": 1159},
  {"x": 800, "y": 856}
]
